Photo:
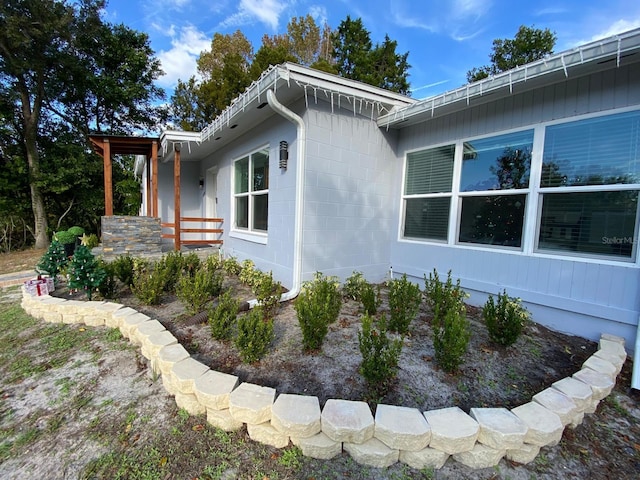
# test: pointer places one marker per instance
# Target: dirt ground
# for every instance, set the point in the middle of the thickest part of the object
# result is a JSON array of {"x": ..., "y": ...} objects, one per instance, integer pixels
[{"x": 128, "y": 411}]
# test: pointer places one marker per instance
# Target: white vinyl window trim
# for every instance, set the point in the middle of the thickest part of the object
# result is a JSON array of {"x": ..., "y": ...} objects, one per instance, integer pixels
[{"x": 250, "y": 196}]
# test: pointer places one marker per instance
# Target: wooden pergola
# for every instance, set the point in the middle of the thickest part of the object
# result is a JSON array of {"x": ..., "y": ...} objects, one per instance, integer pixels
[{"x": 108, "y": 145}]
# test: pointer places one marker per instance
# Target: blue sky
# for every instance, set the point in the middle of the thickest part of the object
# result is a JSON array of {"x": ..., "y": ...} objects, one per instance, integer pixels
[{"x": 444, "y": 39}]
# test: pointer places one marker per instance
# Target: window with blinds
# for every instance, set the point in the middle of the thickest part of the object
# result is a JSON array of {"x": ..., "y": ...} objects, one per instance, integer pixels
[
  {"x": 589, "y": 185},
  {"x": 427, "y": 193}
]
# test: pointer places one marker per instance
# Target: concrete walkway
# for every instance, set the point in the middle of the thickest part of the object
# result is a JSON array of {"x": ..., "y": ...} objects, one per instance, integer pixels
[{"x": 16, "y": 278}]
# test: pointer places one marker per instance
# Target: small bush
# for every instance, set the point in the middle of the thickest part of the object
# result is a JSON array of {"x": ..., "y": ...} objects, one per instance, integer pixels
[
  {"x": 222, "y": 318},
  {"x": 370, "y": 298},
  {"x": 92, "y": 241},
  {"x": 317, "y": 306},
  {"x": 353, "y": 286},
  {"x": 76, "y": 231},
  {"x": 249, "y": 275},
  {"x": 380, "y": 356},
  {"x": 109, "y": 286},
  {"x": 54, "y": 260},
  {"x": 191, "y": 263},
  {"x": 404, "y": 304},
  {"x": 196, "y": 291},
  {"x": 267, "y": 292},
  {"x": 442, "y": 297},
  {"x": 84, "y": 271},
  {"x": 214, "y": 262},
  {"x": 123, "y": 268},
  {"x": 148, "y": 284},
  {"x": 451, "y": 336},
  {"x": 171, "y": 265},
  {"x": 65, "y": 237},
  {"x": 505, "y": 320},
  {"x": 254, "y": 336},
  {"x": 231, "y": 266}
]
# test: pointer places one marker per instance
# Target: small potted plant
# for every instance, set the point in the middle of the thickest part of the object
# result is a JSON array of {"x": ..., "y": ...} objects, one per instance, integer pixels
[{"x": 68, "y": 241}]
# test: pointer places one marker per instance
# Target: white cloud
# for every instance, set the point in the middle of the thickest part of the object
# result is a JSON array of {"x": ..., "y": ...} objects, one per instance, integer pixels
[
  {"x": 319, "y": 14},
  {"x": 617, "y": 27},
  {"x": 264, "y": 11},
  {"x": 179, "y": 62}
]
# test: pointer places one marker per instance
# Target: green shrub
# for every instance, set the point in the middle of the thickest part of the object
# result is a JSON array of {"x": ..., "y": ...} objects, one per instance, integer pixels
[
  {"x": 84, "y": 271},
  {"x": 123, "y": 268},
  {"x": 76, "y": 231},
  {"x": 191, "y": 263},
  {"x": 404, "y": 304},
  {"x": 249, "y": 275},
  {"x": 442, "y": 297},
  {"x": 353, "y": 286},
  {"x": 196, "y": 291},
  {"x": 451, "y": 336},
  {"x": 214, "y": 262},
  {"x": 254, "y": 336},
  {"x": 148, "y": 284},
  {"x": 54, "y": 260},
  {"x": 171, "y": 265},
  {"x": 222, "y": 318},
  {"x": 109, "y": 286},
  {"x": 231, "y": 266},
  {"x": 267, "y": 292},
  {"x": 64, "y": 237},
  {"x": 370, "y": 298},
  {"x": 380, "y": 356},
  {"x": 317, "y": 306},
  {"x": 505, "y": 320},
  {"x": 92, "y": 241}
]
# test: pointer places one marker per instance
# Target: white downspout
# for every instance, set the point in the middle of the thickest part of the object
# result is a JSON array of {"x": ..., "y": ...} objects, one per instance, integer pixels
[
  {"x": 301, "y": 141},
  {"x": 635, "y": 377}
]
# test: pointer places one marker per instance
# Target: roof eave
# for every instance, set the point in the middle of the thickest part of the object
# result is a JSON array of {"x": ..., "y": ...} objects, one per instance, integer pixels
[{"x": 613, "y": 48}]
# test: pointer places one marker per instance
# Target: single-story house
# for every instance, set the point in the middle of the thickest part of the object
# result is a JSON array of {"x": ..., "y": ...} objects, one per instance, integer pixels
[{"x": 527, "y": 181}]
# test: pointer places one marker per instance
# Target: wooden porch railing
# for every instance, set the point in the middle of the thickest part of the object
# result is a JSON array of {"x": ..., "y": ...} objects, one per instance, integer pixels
[{"x": 178, "y": 233}]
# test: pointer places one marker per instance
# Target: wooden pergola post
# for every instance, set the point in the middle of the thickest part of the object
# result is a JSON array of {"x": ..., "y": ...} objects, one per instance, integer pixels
[
  {"x": 176, "y": 195},
  {"x": 108, "y": 178}
]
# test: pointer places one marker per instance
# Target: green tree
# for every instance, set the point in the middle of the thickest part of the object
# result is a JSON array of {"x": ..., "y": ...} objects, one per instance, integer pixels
[
  {"x": 225, "y": 73},
  {"x": 351, "y": 49},
  {"x": 63, "y": 73},
  {"x": 528, "y": 45},
  {"x": 357, "y": 59}
]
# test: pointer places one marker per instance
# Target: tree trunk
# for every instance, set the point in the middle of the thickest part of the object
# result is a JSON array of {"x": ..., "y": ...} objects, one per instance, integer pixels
[{"x": 30, "y": 122}]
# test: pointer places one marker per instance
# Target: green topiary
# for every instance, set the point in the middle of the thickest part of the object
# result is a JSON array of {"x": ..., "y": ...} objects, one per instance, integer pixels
[
  {"x": 77, "y": 231},
  {"x": 64, "y": 237}
]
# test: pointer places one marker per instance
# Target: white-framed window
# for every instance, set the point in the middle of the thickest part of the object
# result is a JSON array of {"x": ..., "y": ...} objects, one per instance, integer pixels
[
  {"x": 251, "y": 192},
  {"x": 578, "y": 190},
  {"x": 494, "y": 188},
  {"x": 427, "y": 193},
  {"x": 589, "y": 187}
]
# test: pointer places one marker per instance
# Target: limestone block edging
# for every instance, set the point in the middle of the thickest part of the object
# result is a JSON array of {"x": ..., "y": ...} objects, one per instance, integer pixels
[{"x": 402, "y": 434}]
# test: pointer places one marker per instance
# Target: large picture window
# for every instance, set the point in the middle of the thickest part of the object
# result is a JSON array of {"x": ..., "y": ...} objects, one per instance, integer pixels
[
  {"x": 427, "y": 193},
  {"x": 251, "y": 192},
  {"x": 589, "y": 186}
]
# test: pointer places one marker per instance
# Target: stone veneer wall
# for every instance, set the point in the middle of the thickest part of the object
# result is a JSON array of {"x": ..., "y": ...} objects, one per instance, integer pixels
[
  {"x": 479, "y": 439},
  {"x": 123, "y": 235}
]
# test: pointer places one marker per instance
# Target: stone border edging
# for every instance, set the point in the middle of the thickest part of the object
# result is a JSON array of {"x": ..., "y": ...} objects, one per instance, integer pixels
[{"x": 479, "y": 439}]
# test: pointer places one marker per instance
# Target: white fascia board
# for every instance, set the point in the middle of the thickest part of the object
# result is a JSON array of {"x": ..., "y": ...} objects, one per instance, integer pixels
[
  {"x": 591, "y": 53},
  {"x": 171, "y": 137}
]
